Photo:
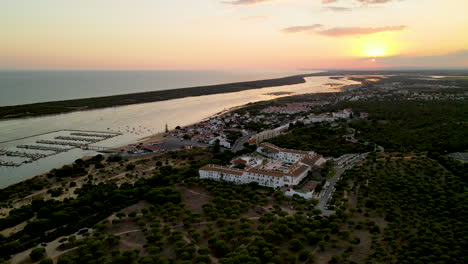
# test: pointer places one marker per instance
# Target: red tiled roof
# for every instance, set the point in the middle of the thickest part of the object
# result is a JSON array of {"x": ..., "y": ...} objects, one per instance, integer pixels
[
  {"x": 222, "y": 169},
  {"x": 311, "y": 160}
]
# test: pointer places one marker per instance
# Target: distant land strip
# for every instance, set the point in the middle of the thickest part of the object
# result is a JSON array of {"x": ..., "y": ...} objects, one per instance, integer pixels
[
  {"x": 66, "y": 106},
  {"x": 72, "y": 105}
]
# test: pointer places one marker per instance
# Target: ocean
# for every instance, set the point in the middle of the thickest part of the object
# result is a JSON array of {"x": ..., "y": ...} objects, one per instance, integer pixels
[{"x": 25, "y": 87}]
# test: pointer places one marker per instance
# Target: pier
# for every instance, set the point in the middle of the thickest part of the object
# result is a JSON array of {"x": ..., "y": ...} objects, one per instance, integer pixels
[
  {"x": 95, "y": 148},
  {"x": 46, "y": 148},
  {"x": 9, "y": 164},
  {"x": 61, "y": 143},
  {"x": 91, "y": 140},
  {"x": 32, "y": 156},
  {"x": 92, "y": 135}
]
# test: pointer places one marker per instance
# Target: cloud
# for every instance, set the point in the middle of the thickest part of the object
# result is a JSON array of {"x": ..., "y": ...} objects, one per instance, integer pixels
[
  {"x": 341, "y": 31},
  {"x": 345, "y": 31},
  {"x": 337, "y": 8},
  {"x": 309, "y": 29},
  {"x": 458, "y": 58},
  {"x": 329, "y": 1},
  {"x": 245, "y": 2},
  {"x": 374, "y": 1}
]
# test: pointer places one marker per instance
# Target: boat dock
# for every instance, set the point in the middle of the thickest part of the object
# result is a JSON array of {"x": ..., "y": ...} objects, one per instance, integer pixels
[
  {"x": 64, "y": 140},
  {"x": 91, "y": 140},
  {"x": 9, "y": 164},
  {"x": 61, "y": 143},
  {"x": 32, "y": 156},
  {"x": 92, "y": 135},
  {"x": 45, "y": 148}
]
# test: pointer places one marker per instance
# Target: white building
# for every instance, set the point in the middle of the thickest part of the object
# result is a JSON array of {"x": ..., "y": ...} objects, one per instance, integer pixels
[
  {"x": 267, "y": 134},
  {"x": 346, "y": 113},
  {"x": 266, "y": 178},
  {"x": 301, "y": 163},
  {"x": 291, "y": 192},
  {"x": 326, "y": 117},
  {"x": 289, "y": 155}
]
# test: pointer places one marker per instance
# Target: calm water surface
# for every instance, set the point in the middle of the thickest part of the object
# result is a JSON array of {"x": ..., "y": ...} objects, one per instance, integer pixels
[
  {"x": 24, "y": 87},
  {"x": 134, "y": 121}
]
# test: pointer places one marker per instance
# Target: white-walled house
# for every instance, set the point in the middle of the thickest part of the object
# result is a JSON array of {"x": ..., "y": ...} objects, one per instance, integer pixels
[
  {"x": 265, "y": 178},
  {"x": 291, "y": 192},
  {"x": 326, "y": 117},
  {"x": 275, "y": 152},
  {"x": 301, "y": 163},
  {"x": 346, "y": 113},
  {"x": 267, "y": 134}
]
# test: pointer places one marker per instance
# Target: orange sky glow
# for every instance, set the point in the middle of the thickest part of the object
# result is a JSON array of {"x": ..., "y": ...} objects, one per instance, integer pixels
[{"x": 237, "y": 34}]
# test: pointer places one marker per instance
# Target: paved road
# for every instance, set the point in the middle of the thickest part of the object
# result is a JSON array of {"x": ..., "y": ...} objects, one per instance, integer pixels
[
  {"x": 327, "y": 193},
  {"x": 239, "y": 144}
]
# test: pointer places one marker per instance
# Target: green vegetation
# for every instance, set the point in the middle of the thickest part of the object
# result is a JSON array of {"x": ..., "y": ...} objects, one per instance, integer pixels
[
  {"x": 405, "y": 126},
  {"x": 222, "y": 231},
  {"x": 235, "y": 224},
  {"x": 37, "y": 254},
  {"x": 320, "y": 138},
  {"x": 425, "y": 207},
  {"x": 405, "y": 205}
]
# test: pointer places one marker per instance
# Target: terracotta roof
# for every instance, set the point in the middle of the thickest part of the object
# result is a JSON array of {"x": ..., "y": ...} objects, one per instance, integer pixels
[
  {"x": 311, "y": 160},
  {"x": 271, "y": 147},
  {"x": 295, "y": 151},
  {"x": 277, "y": 149},
  {"x": 265, "y": 172},
  {"x": 298, "y": 171},
  {"x": 222, "y": 169}
]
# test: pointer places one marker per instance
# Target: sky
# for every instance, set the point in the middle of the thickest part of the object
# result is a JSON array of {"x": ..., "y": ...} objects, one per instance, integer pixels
[{"x": 232, "y": 34}]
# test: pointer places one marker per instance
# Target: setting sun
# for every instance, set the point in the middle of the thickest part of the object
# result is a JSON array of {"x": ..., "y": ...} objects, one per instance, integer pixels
[{"x": 374, "y": 46}]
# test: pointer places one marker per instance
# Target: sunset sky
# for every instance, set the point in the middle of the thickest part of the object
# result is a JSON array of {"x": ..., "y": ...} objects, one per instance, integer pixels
[{"x": 232, "y": 34}]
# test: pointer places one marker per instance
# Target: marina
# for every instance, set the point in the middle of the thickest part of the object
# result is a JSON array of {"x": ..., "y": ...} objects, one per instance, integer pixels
[
  {"x": 32, "y": 156},
  {"x": 92, "y": 135},
  {"x": 9, "y": 164},
  {"x": 61, "y": 143},
  {"x": 92, "y": 140},
  {"x": 46, "y": 148},
  {"x": 45, "y": 145}
]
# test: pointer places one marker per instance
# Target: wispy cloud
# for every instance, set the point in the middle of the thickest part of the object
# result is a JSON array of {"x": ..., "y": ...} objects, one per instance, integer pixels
[
  {"x": 345, "y": 31},
  {"x": 329, "y": 1},
  {"x": 374, "y": 1},
  {"x": 337, "y": 8},
  {"x": 297, "y": 29},
  {"x": 245, "y": 2},
  {"x": 341, "y": 31}
]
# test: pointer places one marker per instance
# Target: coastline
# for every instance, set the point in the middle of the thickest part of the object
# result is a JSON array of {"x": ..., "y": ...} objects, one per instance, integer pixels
[
  {"x": 151, "y": 138},
  {"x": 92, "y": 103},
  {"x": 158, "y": 137}
]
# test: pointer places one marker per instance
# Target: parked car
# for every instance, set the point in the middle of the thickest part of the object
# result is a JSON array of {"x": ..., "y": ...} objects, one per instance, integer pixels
[{"x": 82, "y": 231}]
